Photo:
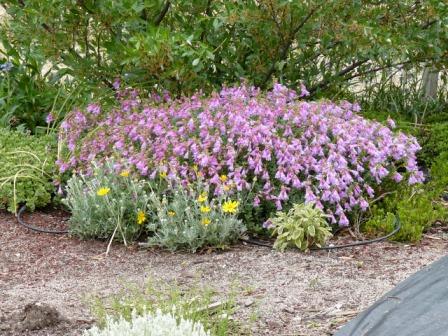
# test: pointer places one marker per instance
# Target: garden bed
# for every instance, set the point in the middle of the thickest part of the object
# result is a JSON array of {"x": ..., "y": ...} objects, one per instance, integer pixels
[{"x": 279, "y": 293}]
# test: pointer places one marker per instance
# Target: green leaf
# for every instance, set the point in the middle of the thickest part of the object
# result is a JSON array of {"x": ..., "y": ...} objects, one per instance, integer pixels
[{"x": 311, "y": 230}]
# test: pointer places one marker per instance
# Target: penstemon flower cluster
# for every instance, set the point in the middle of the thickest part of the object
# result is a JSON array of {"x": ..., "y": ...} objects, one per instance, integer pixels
[{"x": 271, "y": 143}]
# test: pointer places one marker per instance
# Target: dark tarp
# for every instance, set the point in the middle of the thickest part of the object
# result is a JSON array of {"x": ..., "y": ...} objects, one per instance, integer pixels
[{"x": 417, "y": 306}]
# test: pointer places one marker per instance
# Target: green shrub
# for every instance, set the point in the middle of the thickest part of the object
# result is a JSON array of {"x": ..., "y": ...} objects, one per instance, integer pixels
[
  {"x": 303, "y": 226},
  {"x": 433, "y": 139},
  {"x": 27, "y": 169},
  {"x": 25, "y": 96},
  {"x": 35, "y": 92},
  {"x": 439, "y": 173},
  {"x": 189, "y": 218},
  {"x": 105, "y": 203},
  {"x": 155, "y": 44},
  {"x": 417, "y": 208},
  {"x": 413, "y": 113}
]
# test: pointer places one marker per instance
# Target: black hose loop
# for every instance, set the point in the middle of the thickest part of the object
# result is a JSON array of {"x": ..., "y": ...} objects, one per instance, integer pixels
[
  {"x": 397, "y": 227},
  {"x": 33, "y": 227}
]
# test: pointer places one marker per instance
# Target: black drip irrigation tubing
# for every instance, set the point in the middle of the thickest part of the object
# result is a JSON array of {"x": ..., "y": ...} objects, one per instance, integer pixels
[
  {"x": 33, "y": 227},
  {"x": 397, "y": 227}
]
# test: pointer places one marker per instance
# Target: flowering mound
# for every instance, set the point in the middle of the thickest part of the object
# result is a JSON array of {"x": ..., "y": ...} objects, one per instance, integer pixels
[
  {"x": 157, "y": 324},
  {"x": 273, "y": 144}
]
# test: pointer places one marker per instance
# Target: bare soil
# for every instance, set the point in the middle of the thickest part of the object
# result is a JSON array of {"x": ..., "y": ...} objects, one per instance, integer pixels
[{"x": 289, "y": 293}]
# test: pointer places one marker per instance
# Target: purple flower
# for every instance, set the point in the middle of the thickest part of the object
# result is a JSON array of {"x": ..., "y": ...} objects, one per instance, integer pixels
[
  {"x": 273, "y": 143},
  {"x": 95, "y": 109},
  {"x": 391, "y": 123},
  {"x": 363, "y": 204},
  {"x": 397, "y": 177},
  {"x": 116, "y": 84},
  {"x": 303, "y": 91},
  {"x": 343, "y": 221},
  {"x": 49, "y": 118},
  {"x": 268, "y": 224}
]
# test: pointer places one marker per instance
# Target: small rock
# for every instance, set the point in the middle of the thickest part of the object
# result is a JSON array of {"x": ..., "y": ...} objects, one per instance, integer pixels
[
  {"x": 248, "y": 302},
  {"x": 186, "y": 274},
  {"x": 289, "y": 310},
  {"x": 272, "y": 324}
]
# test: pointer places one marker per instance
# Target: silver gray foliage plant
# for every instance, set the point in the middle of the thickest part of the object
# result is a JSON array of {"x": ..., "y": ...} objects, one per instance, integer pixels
[{"x": 149, "y": 324}]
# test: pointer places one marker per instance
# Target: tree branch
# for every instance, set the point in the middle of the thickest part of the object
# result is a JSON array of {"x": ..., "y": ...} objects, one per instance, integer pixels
[
  {"x": 346, "y": 70},
  {"x": 352, "y": 67},
  {"x": 162, "y": 14},
  {"x": 208, "y": 13},
  {"x": 284, "y": 50},
  {"x": 429, "y": 24},
  {"x": 359, "y": 74}
]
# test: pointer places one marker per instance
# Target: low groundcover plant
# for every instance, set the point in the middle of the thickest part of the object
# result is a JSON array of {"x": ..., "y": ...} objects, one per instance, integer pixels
[
  {"x": 149, "y": 324},
  {"x": 187, "y": 217},
  {"x": 110, "y": 205},
  {"x": 106, "y": 204},
  {"x": 274, "y": 144},
  {"x": 198, "y": 303}
]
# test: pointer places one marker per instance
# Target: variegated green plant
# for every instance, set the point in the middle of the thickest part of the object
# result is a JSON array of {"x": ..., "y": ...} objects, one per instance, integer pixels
[{"x": 303, "y": 226}]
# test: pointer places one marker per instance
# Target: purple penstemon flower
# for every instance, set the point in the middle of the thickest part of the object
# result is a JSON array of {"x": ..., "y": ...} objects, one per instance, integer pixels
[
  {"x": 303, "y": 91},
  {"x": 326, "y": 151},
  {"x": 116, "y": 84},
  {"x": 49, "y": 118},
  {"x": 95, "y": 109},
  {"x": 391, "y": 123}
]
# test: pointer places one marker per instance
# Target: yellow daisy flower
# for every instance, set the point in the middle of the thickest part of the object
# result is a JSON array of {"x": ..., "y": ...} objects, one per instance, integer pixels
[
  {"x": 230, "y": 207},
  {"x": 223, "y": 178},
  {"x": 202, "y": 197},
  {"x": 141, "y": 217},
  {"x": 226, "y": 188},
  {"x": 124, "y": 173},
  {"x": 171, "y": 213},
  {"x": 103, "y": 191},
  {"x": 206, "y": 221},
  {"x": 205, "y": 209},
  {"x": 162, "y": 174}
]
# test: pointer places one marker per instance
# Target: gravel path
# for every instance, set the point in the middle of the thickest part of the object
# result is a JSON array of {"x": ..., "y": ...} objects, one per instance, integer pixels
[{"x": 289, "y": 293}]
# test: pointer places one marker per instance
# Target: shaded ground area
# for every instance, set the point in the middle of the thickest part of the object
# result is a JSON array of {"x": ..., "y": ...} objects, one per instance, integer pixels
[{"x": 280, "y": 293}]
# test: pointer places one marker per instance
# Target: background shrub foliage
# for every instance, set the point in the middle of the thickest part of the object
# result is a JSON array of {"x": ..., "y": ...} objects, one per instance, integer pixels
[
  {"x": 201, "y": 44},
  {"x": 32, "y": 94}
]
